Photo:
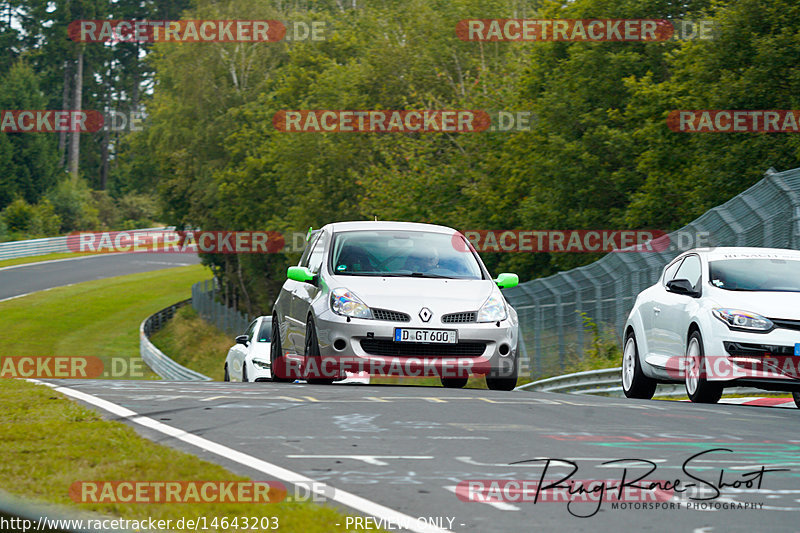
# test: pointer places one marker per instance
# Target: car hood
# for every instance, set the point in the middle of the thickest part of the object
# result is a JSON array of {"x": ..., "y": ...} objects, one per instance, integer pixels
[
  {"x": 409, "y": 295},
  {"x": 765, "y": 303}
]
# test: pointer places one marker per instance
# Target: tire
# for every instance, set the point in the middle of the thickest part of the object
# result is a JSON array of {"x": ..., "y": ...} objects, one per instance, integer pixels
[
  {"x": 276, "y": 354},
  {"x": 504, "y": 380},
  {"x": 312, "y": 350},
  {"x": 227, "y": 376},
  {"x": 454, "y": 383},
  {"x": 698, "y": 389},
  {"x": 244, "y": 372},
  {"x": 635, "y": 384},
  {"x": 796, "y": 396}
]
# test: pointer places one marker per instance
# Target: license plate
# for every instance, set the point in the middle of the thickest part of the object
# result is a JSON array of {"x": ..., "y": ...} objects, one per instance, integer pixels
[{"x": 428, "y": 336}]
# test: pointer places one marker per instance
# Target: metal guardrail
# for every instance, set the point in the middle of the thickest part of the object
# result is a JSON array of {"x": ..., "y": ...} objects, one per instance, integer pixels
[
  {"x": 48, "y": 245},
  {"x": 608, "y": 382},
  {"x": 160, "y": 363},
  {"x": 227, "y": 319}
]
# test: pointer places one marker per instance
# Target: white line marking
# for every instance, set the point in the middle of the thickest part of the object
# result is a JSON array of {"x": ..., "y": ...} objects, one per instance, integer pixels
[
  {"x": 35, "y": 292},
  {"x": 369, "y": 459},
  {"x": 345, "y": 498}
]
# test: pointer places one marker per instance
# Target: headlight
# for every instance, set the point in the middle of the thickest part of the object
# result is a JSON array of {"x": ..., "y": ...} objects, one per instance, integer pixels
[
  {"x": 261, "y": 364},
  {"x": 493, "y": 310},
  {"x": 344, "y": 302},
  {"x": 738, "y": 319}
]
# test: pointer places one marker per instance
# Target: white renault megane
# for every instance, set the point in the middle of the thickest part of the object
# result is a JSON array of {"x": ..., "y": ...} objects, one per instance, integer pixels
[
  {"x": 717, "y": 317},
  {"x": 393, "y": 298}
]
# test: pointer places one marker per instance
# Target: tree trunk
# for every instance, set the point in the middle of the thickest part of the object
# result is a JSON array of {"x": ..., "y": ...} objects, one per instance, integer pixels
[
  {"x": 75, "y": 146},
  {"x": 62, "y": 135}
]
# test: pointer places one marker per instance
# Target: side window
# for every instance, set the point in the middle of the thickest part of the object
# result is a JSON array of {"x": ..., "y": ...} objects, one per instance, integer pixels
[
  {"x": 307, "y": 252},
  {"x": 250, "y": 330},
  {"x": 691, "y": 270},
  {"x": 317, "y": 254},
  {"x": 669, "y": 274}
]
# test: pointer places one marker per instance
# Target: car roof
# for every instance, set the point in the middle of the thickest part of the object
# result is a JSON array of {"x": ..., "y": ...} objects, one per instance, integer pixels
[
  {"x": 744, "y": 252},
  {"x": 337, "y": 227}
]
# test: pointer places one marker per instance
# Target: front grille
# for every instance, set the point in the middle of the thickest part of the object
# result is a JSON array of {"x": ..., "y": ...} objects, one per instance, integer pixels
[
  {"x": 387, "y": 348},
  {"x": 394, "y": 316},
  {"x": 744, "y": 349},
  {"x": 786, "y": 324},
  {"x": 460, "y": 318}
]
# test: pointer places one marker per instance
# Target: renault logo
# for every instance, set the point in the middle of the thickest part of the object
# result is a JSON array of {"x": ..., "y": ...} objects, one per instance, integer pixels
[{"x": 425, "y": 314}]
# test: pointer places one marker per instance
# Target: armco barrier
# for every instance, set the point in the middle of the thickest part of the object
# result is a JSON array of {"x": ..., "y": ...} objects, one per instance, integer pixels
[
  {"x": 227, "y": 319},
  {"x": 49, "y": 245},
  {"x": 155, "y": 358},
  {"x": 607, "y": 382}
]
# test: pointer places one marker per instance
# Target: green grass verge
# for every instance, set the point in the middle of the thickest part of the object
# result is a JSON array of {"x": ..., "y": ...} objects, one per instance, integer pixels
[
  {"x": 93, "y": 318},
  {"x": 40, "y": 258},
  {"x": 50, "y": 442}
]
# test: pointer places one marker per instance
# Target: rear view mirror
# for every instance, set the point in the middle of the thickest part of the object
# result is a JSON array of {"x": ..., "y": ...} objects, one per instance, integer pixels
[
  {"x": 682, "y": 286},
  {"x": 241, "y": 339}
]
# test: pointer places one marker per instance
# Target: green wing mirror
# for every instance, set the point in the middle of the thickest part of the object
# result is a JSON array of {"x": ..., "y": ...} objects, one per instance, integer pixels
[
  {"x": 298, "y": 273},
  {"x": 506, "y": 280}
]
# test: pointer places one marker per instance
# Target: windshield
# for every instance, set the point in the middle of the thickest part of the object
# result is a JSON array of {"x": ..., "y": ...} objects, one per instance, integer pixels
[
  {"x": 403, "y": 253},
  {"x": 756, "y": 274}
]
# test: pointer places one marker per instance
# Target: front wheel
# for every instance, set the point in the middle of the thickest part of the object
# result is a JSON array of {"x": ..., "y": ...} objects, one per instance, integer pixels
[
  {"x": 634, "y": 382},
  {"x": 454, "y": 383},
  {"x": 244, "y": 372},
  {"x": 277, "y": 363},
  {"x": 698, "y": 388},
  {"x": 312, "y": 352},
  {"x": 227, "y": 376},
  {"x": 504, "y": 378}
]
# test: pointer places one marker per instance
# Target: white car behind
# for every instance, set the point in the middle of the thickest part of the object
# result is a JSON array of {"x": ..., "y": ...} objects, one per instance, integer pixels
[{"x": 249, "y": 358}]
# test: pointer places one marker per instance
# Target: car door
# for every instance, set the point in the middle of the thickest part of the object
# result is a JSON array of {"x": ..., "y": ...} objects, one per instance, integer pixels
[
  {"x": 295, "y": 316},
  {"x": 673, "y": 321},
  {"x": 650, "y": 308},
  {"x": 305, "y": 293}
]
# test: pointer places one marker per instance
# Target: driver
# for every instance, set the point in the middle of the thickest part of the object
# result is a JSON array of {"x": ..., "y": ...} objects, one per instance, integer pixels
[{"x": 424, "y": 258}]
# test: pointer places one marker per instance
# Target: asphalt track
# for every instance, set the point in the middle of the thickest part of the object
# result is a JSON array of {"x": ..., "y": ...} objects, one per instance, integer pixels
[
  {"x": 24, "y": 279},
  {"x": 408, "y": 448}
]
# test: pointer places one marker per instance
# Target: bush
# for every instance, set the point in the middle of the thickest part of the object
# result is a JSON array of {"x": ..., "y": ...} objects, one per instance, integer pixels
[
  {"x": 18, "y": 215},
  {"x": 74, "y": 204},
  {"x": 138, "y": 210}
]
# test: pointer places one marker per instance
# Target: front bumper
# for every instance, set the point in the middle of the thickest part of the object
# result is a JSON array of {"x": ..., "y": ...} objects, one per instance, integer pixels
[
  {"x": 763, "y": 360},
  {"x": 368, "y": 345}
]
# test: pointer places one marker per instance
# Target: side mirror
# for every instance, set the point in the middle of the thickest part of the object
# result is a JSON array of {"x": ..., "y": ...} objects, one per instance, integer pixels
[
  {"x": 241, "y": 339},
  {"x": 682, "y": 286},
  {"x": 302, "y": 274},
  {"x": 507, "y": 280}
]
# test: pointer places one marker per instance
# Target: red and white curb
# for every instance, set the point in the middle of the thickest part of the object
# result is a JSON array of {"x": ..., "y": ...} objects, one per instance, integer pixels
[{"x": 786, "y": 403}]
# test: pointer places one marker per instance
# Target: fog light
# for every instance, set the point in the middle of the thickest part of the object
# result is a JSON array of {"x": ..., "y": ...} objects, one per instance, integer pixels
[
  {"x": 339, "y": 345},
  {"x": 504, "y": 350}
]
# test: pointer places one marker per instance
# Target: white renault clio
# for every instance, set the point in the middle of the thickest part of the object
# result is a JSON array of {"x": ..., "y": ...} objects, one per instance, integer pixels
[
  {"x": 717, "y": 317},
  {"x": 394, "y": 298}
]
